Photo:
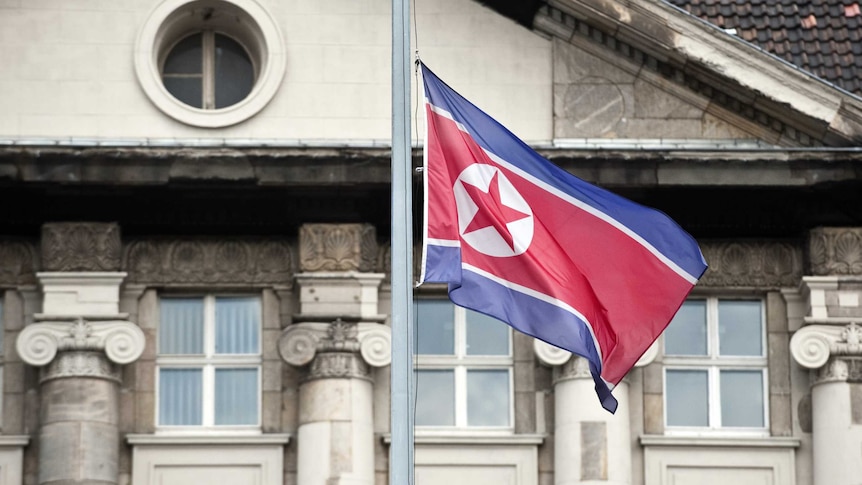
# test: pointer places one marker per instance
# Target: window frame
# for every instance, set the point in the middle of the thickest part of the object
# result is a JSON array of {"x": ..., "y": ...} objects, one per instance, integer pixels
[
  {"x": 713, "y": 363},
  {"x": 208, "y": 73},
  {"x": 460, "y": 362},
  {"x": 208, "y": 362}
]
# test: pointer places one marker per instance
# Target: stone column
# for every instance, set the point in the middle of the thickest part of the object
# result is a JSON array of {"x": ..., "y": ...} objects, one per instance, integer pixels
[
  {"x": 337, "y": 337},
  {"x": 591, "y": 446},
  {"x": 830, "y": 344},
  {"x": 79, "y": 340}
]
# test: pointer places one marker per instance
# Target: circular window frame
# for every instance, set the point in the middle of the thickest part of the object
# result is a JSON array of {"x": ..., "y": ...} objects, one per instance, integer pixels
[{"x": 244, "y": 21}]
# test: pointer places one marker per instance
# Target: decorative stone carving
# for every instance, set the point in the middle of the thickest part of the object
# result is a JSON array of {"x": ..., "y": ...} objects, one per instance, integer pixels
[
  {"x": 835, "y": 352},
  {"x": 18, "y": 262},
  {"x": 81, "y": 364},
  {"x": 207, "y": 261},
  {"x": 334, "y": 349},
  {"x": 835, "y": 251},
  {"x": 812, "y": 345},
  {"x": 338, "y": 247},
  {"x": 762, "y": 264},
  {"x": 38, "y": 344},
  {"x": 81, "y": 246}
]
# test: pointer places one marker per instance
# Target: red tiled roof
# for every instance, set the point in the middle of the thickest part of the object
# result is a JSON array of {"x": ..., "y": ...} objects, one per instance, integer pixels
[{"x": 819, "y": 36}]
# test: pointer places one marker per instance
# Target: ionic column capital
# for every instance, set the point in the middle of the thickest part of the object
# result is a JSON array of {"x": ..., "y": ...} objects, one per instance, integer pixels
[
  {"x": 122, "y": 341},
  {"x": 300, "y": 343},
  {"x": 813, "y": 345}
]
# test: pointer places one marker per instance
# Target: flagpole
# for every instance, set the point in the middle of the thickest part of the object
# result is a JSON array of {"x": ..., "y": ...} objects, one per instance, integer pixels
[{"x": 401, "y": 383}]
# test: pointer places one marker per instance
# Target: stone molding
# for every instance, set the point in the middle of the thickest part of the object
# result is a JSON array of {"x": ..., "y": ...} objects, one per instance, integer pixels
[
  {"x": 333, "y": 349},
  {"x": 81, "y": 364},
  {"x": 835, "y": 251},
  {"x": 755, "y": 263},
  {"x": 209, "y": 261},
  {"x": 39, "y": 343},
  {"x": 835, "y": 352},
  {"x": 81, "y": 246},
  {"x": 338, "y": 247},
  {"x": 18, "y": 262}
]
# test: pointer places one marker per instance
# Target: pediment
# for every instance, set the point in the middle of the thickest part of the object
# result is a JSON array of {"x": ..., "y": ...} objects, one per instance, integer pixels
[{"x": 648, "y": 70}]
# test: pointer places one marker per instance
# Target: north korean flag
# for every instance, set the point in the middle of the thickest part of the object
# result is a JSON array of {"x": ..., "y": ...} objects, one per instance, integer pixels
[{"x": 521, "y": 240}]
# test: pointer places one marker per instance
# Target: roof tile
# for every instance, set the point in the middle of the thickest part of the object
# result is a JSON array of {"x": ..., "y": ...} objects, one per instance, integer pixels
[{"x": 821, "y": 36}]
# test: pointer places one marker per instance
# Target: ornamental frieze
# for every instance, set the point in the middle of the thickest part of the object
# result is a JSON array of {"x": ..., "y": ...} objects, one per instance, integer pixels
[
  {"x": 18, "y": 262},
  {"x": 81, "y": 246},
  {"x": 209, "y": 261},
  {"x": 835, "y": 251},
  {"x": 338, "y": 247},
  {"x": 754, "y": 263}
]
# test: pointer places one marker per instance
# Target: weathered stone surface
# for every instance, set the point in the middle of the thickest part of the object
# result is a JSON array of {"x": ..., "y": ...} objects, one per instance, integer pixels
[
  {"x": 271, "y": 406},
  {"x": 209, "y": 261},
  {"x": 653, "y": 413},
  {"x": 324, "y": 400},
  {"x": 779, "y": 362},
  {"x": 81, "y": 246},
  {"x": 835, "y": 251},
  {"x": 18, "y": 262},
  {"x": 856, "y": 403},
  {"x": 337, "y": 247},
  {"x": 761, "y": 264},
  {"x": 650, "y": 101},
  {"x": 594, "y": 450},
  {"x": 780, "y": 415},
  {"x": 525, "y": 412},
  {"x": 80, "y": 400}
]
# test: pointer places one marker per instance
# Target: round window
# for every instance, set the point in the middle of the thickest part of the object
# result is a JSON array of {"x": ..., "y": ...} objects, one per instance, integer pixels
[
  {"x": 210, "y": 63},
  {"x": 208, "y": 70}
]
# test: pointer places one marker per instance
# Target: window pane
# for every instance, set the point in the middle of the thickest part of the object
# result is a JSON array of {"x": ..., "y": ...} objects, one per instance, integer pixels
[
  {"x": 234, "y": 73},
  {"x": 237, "y": 325},
  {"x": 189, "y": 90},
  {"x": 236, "y": 396},
  {"x": 740, "y": 330},
  {"x": 186, "y": 57},
  {"x": 181, "y": 328},
  {"x": 435, "y": 398},
  {"x": 488, "y": 398},
  {"x": 742, "y": 398},
  {"x": 180, "y": 393},
  {"x": 686, "y": 334},
  {"x": 435, "y": 330},
  {"x": 486, "y": 335},
  {"x": 687, "y": 398}
]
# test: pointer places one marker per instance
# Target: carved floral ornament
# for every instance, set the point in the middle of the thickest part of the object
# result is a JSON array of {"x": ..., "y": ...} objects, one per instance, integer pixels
[
  {"x": 301, "y": 342},
  {"x": 81, "y": 246},
  {"x": 835, "y": 251},
  {"x": 832, "y": 350},
  {"x": 123, "y": 342},
  {"x": 338, "y": 247}
]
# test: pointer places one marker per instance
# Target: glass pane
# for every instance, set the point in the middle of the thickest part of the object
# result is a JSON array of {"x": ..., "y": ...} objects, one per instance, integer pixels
[
  {"x": 237, "y": 325},
  {"x": 742, "y": 398},
  {"x": 186, "y": 57},
  {"x": 486, "y": 335},
  {"x": 488, "y": 397},
  {"x": 236, "y": 396},
  {"x": 686, "y": 334},
  {"x": 435, "y": 398},
  {"x": 181, "y": 329},
  {"x": 189, "y": 90},
  {"x": 740, "y": 330},
  {"x": 435, "y": 330},
  {"x": 687, "y": 398},
  {"x": 180, "y": 392},
  {"x": 234, "y": 73}
]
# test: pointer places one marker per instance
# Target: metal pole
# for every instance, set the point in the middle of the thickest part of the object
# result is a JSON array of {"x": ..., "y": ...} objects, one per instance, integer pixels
[{"x": 401, "y": 384}]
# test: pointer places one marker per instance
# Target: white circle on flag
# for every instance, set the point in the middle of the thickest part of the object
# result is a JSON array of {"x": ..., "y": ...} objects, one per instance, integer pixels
[{"x": 488, "y": 240}]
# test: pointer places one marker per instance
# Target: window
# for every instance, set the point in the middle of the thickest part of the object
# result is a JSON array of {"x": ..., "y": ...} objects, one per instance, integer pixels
[
  {"x": 208, "y": 70},
  {"x": 715, "y": 366},
  {"x": 464, "y": 368},
  {"x": 209, "y": 362},
  {"x": 210, "y": 63}
]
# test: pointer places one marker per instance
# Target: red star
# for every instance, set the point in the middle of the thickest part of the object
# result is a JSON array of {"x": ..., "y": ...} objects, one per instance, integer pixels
[{"x": 492, "y": 211}]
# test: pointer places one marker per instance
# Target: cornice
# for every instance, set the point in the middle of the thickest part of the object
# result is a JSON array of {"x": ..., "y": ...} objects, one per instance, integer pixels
[{"x": 732, "y": 73}]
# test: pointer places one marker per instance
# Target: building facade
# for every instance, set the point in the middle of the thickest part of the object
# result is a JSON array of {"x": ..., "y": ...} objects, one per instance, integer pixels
[{"x": 194, "y": 245}]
